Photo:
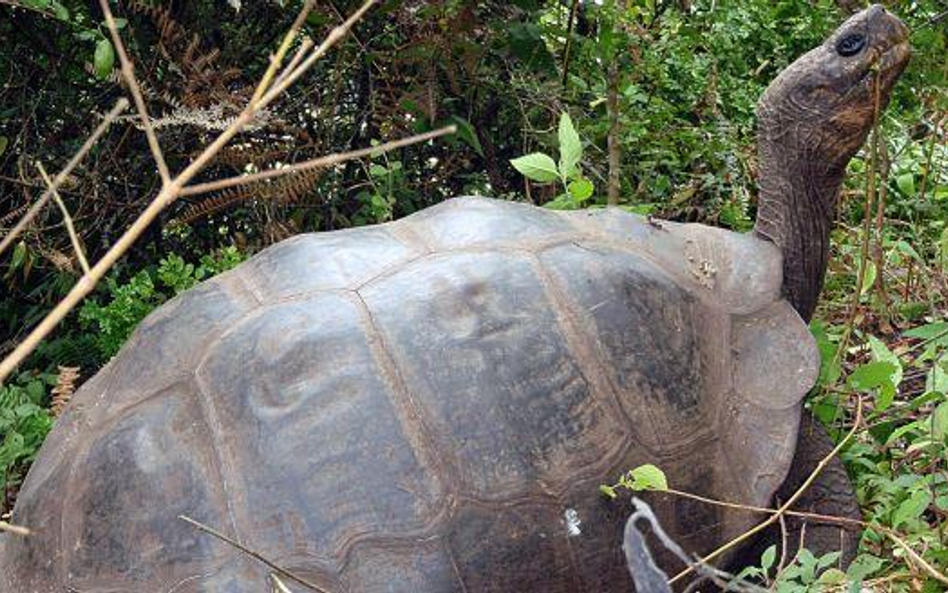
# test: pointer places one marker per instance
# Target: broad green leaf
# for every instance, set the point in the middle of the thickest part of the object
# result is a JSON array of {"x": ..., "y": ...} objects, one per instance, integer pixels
[
  {"x": 911, "y": 508},
  {"x": 571, "y": 149},
  {"x": 940, "y": 422},
  {"x": 648, "y": 477},
  {"x": 62, "y": 13},
  {"x": 876, "y": 375},
  {"x": 863, "y": 566},
  {"x": 906, "y": 184},
  {"x": 526, "y": 42},
  {"x": 881, "y": 353},
  {"x": 581, "y": 189},
  {"x": 536, "y": 166},
  {"x": 832, "y": 576},
  {"x": 768, "y": 557},
  {"x": 4, "y": 141},
  {"x": 929, "y": 331},
  {"x": 104, "y": 58}
]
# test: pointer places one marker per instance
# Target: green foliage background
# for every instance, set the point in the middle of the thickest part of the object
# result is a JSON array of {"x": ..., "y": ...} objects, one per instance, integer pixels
[{"x": 689, "y": 75}]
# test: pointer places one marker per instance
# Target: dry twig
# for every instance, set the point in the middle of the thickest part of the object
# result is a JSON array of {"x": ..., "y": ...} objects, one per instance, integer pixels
[
  {"x": 128, "y": 73},
  {"x": 120, "y": 106},
  {"x": 67, "y": 220},
  {"x": 253, "y": 554}
]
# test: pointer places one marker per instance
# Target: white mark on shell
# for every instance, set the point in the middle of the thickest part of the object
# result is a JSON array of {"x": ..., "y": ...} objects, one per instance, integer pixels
[{"x": 572, "y": 522}]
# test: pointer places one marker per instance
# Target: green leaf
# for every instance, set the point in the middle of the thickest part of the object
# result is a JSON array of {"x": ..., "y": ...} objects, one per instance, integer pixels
[
  {"x": 4, "y": 141},
  {"x": 527, "y": 44},
  {"x": 906, "y": 184},
  {"x": 929, "y": 331},
  {"x": 62, "y": 13},
  {"x": 768, "y": 557},
  {"x": 19, "y": 255},
  {"x": 863, "y": 566},
  {"x": 881, "y": 353},
  {"x": 868, "y": 278},
  {"x": 104, "y": 59},
  {"x": 911, "y": 508},
  {"x": 876, "y": 375},
  {"x": 467, "y": 134},
  {"x": 580, "y": 189},
  {"x": 608, "y": 491},
  {"x": 940, "y": 422},
  {"x": 648, "y": 477},
  {"x": 571, "y": 149},
  {"x": 833, "y": 576},
  {"x": 536, "y": 166}
]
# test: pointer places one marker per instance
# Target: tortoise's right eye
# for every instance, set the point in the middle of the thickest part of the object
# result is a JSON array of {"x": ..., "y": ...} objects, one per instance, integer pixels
[{"x": 851, "y": 44}]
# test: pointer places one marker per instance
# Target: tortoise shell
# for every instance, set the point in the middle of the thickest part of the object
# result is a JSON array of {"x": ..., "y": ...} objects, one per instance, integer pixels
[{"x": 426, "y": 405}]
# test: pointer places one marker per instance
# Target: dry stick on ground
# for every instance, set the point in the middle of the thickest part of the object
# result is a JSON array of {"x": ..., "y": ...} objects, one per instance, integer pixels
[
  {"x": 168, "y": 193},
  {"x": 67, "y": 220},
  {"x": 785, "y": 507},
  {"x": 120, "y": 106},
  {"x": 256, "y": 555}
]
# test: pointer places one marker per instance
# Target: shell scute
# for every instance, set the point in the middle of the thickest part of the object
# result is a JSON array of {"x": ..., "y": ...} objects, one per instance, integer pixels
[
  {"x": 486, "y": 360},
  {"x": 324, "y": 261},
  {"x": 299, "y": 397},
  {"x": 157, "y": 452}
]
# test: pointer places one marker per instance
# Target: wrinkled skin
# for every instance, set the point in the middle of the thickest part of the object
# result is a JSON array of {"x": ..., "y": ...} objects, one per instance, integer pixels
[{"x": 812, "y": 120}]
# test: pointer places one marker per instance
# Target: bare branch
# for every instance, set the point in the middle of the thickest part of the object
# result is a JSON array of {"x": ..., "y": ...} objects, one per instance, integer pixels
[
  {"x": 281, "y": 51},
  {"x": 253, "y": 554},
  {"x": 128, "y": 73},
  {"x": 317, "y": 163},
  {"x": 331, "y": 39},
  {"x": 120, "y": 106},
  {"x": 305, "y": 46},
  {"x": 14, "y": 529},
  {"x": 70, "y": 228}
]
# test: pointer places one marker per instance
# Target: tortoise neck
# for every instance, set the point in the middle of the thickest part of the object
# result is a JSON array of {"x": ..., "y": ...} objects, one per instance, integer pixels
[{"x": 796, "y": 207}]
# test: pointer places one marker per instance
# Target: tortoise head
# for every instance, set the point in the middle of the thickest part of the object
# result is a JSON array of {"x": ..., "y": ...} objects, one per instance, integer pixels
[
  {"x": 812, "y": 119},
  {"x": 824, "y": 104}
]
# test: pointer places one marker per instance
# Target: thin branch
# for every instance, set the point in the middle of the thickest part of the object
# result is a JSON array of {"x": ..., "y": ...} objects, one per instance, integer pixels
[
  {"x": 331, "y": 39},
  {"x": 281, "y": 51},
  {"x": 785, "y": 507},
  {"x": 120, "y": 106},
  {"x": 128, "y": 72},
  {"x": 70, "y": 228},
  {"x": 252, "y": 553},
  {"x": 305, "y": 46},
  {"x": 317, "y": 163},
  {"x": 14, "y": 529}
]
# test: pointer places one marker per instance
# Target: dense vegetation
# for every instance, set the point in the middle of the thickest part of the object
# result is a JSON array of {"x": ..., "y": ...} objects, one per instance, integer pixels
[{"x": 666, "y": 90}]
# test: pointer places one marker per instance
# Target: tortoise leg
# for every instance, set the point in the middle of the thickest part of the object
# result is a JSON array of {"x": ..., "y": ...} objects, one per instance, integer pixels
[{"x": 830, "y": 494}]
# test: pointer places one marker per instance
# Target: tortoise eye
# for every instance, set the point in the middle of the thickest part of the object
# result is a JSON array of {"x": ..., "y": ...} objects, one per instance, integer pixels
[{"x": 851, "y": 44}]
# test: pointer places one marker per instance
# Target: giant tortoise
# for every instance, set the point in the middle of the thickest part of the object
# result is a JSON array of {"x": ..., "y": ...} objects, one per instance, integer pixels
[{"x": 430, "y": 405}]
